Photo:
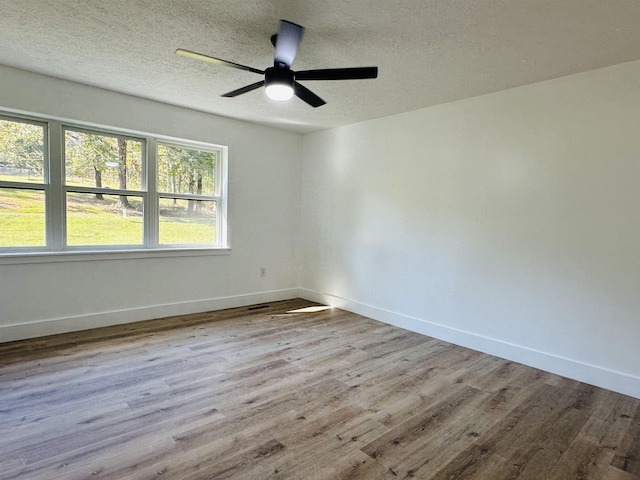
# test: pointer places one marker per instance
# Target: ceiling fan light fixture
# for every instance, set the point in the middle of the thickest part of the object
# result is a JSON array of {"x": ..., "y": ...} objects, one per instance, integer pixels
[
  {"x": 279, "y": 92},
  {"x": 278, "y": 83}
]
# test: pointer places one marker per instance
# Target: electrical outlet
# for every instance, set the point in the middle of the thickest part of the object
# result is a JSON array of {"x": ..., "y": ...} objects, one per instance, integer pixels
[{"x": 263, "y": 271}]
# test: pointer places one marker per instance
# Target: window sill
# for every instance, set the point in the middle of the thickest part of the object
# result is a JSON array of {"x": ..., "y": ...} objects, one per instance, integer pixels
[{"x": 103, "y": 255}]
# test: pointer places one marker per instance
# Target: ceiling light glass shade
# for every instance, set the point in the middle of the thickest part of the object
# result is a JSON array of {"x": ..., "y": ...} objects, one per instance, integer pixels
[{"x": 279, "y": 92}]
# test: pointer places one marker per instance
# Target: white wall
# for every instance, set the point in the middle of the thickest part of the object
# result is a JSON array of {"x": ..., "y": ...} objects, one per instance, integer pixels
[
  {"x": 264, "y": 199},
  {"x": 509, "y": 223}
]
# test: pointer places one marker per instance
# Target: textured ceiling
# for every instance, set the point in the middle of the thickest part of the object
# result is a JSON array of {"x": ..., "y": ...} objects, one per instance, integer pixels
[{"x": 428, "y": 51}]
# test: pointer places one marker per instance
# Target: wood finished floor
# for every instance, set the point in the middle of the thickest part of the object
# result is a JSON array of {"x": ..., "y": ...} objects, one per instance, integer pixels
[{"x": 266, "y": 394}]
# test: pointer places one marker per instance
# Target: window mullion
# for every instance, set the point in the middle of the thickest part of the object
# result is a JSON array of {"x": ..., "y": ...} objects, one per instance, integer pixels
[
  {"x": 151, "y": 195},
  {"x": 189, "y": 196},
  {"x": 104, "y": 191},
  {"x": 222, "y": 185},
  {"x": 55, "y": 195}
]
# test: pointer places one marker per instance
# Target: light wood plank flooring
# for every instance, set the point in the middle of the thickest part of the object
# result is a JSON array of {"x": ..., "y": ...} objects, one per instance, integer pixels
[{"x": 268, "y": 394}]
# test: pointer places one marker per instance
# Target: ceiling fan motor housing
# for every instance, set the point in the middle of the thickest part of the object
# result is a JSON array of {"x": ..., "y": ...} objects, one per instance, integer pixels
[{"x": 278, "y": 75}]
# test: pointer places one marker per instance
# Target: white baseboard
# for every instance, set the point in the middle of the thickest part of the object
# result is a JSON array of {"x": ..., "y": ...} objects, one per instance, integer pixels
[
  {"x": 592, "y": 374},
  {"x": 54, "y": 326},
  {"x": 577, "y": 370}
]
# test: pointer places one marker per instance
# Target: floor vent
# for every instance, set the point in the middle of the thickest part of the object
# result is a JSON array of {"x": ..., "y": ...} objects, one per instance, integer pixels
[{"x": 258, "y": 307}]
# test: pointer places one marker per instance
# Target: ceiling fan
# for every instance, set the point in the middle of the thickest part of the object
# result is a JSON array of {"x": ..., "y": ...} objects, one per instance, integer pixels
[{"x": 280, "y": 82}]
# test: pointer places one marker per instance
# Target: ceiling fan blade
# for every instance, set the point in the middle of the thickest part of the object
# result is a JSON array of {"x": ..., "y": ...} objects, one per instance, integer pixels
[
  {"x": 288, "y": 41},
  {"x": 218, "y": 61},
  {"x": 307, "y": 95},
  {"x": 355, "y": 73},
  {"x": 242, "y": 90}
]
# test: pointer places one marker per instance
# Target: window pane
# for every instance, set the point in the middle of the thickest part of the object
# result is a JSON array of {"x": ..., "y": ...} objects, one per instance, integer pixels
[
  {"x": 95, "y": 219},
  {"x": 21, "y": 152},
  {"x": 22, "y": 221},
  {"x": 183, "y": 170},
  {"x": 187, "y": 221},
  {"x": 93, "y": 160}
]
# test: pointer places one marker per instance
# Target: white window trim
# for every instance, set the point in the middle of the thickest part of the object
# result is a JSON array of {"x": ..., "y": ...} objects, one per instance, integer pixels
[{"x": 55, "y": 193}]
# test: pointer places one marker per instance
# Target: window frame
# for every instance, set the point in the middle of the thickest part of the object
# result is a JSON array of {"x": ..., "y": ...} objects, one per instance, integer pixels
[
  {"x": 142, "y": 193},
  {"x": 55, "y": 190},
  {"x": 217, "y": 187}
]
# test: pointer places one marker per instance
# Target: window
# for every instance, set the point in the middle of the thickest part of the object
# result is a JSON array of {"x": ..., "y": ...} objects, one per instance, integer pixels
[
  {"x": 68, "y": 188},
  {"x": 188, "y": 194},
  {"x": 23, "y": 189},
  {"x": 104, "y": 199}
]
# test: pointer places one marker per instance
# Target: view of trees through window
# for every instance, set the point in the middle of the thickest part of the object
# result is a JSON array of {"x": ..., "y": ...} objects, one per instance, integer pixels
[
  {"x": 93, "y": 160},
  {"x": 105, "y": 189},
  {"x": 21, "y": 151},
  {"x": 22, "y": 211},
  {"x": 190, "y": 174},
  {"x": 97, "y": 161}
]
